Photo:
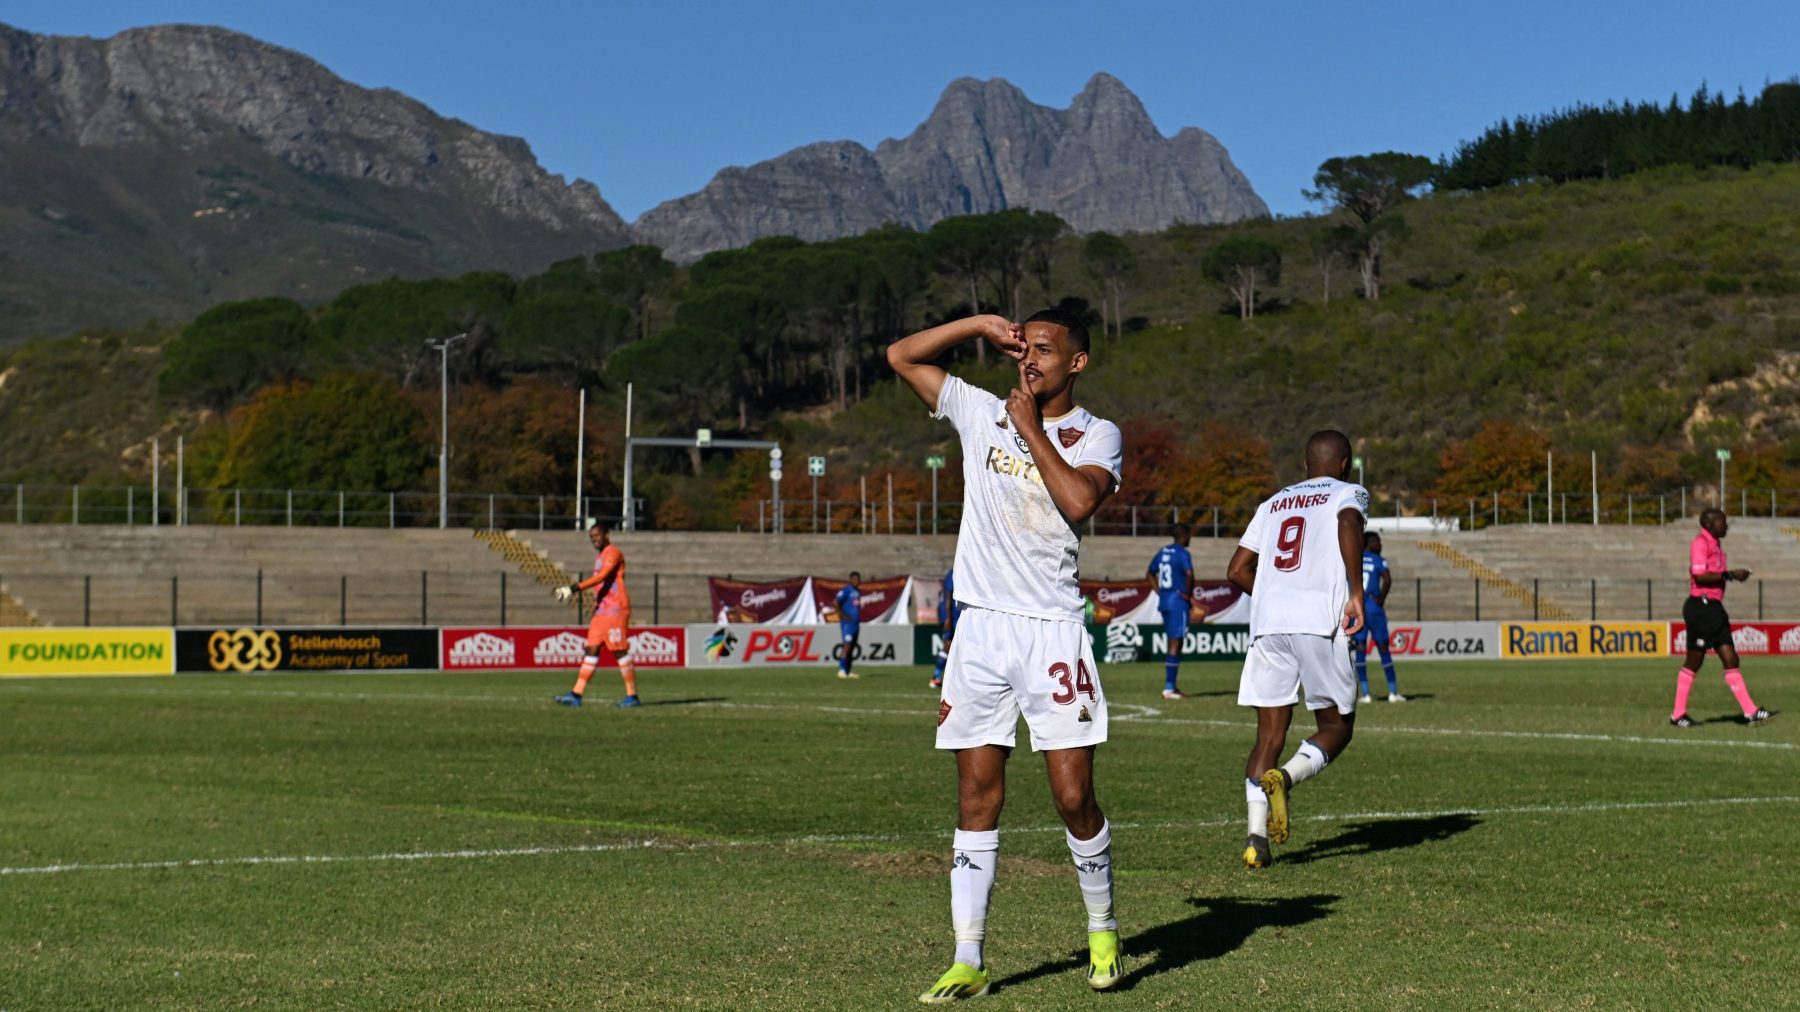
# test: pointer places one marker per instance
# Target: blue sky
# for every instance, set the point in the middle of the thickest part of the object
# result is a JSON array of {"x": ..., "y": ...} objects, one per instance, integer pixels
[{"x": 648, "y": 100}]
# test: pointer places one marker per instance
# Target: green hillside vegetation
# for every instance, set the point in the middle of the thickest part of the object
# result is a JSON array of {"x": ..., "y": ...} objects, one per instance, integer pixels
[{"x": 1651, "y": 318}]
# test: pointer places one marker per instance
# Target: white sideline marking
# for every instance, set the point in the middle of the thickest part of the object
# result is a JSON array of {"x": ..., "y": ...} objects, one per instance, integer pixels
[{"x": 654, "y": 843}]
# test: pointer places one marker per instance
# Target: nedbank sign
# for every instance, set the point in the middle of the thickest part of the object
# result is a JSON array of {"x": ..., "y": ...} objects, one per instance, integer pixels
[{"x": 33, "y": 652}]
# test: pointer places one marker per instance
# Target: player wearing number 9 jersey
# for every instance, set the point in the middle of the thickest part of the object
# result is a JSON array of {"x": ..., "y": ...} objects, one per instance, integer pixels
[
  {"x": 1300, "y": 561},
  {"x": 1034, "y": 467}
]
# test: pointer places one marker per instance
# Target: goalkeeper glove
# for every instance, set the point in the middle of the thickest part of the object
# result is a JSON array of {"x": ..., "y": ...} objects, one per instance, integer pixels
[{"x": 566, "y": 593}]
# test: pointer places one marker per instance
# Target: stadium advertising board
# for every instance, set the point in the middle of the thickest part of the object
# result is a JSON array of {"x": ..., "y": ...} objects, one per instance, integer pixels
[
  {"x": 1128, "y": 642},
  {"x": 249, "y": 649},
  {"x": 517, "y": 648},
  {"x": 1540, "y": 640},
  {"x": 732, "y": 645},
  {"x": 1219, "y": 601},
  {"x": 741, "y": 601},
  {"x": 29, "y": 653},
  {"x": 1750, "y": 638},
  {"x": 1439, "y": 641},
  {"x": 882, "y": 600}
]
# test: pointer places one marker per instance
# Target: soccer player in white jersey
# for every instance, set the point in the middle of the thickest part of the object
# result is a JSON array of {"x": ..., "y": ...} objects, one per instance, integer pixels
[
  {"x": 1300, "y": 561},
  {"x": 1034, "y": 467}
]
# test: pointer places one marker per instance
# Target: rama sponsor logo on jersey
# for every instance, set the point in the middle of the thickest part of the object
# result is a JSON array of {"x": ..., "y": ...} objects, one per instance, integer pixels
[
  {"x": 1583, "y": 639},
  {"x": 483, "y": 650},
  {"x": 1001, "y": 462},
  {"x": 565, "y": 649},
  {"x": 720, "y": 645}
]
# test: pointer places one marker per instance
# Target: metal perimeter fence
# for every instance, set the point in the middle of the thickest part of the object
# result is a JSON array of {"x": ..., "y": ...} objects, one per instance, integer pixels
[
  {"x": 255, "y": 597},
  {"x": 149, "y": 505}
]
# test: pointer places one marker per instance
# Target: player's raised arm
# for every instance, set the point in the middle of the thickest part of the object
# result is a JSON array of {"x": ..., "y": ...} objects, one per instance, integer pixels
[
  {"x": 1350, "y": 546},
  {"x": 914, "y": 358}
]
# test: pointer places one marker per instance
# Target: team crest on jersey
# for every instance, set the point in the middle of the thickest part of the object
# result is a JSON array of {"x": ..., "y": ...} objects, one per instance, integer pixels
[
  {"x": 1083, "y": 717},
  {"x": 1069, "y": 436}
]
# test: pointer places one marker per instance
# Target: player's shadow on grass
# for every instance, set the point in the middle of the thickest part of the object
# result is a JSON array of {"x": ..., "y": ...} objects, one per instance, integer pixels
[
  {"x": 1223, "y": 925},
  {"x": 687, "y": 702},
  {"x": 1361, "y": 838}
]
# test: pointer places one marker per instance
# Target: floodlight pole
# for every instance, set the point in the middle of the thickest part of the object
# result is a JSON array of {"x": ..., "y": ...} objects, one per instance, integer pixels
[
  {"x": 443, "y": 349},
  {"x": 581, "y": 454}
]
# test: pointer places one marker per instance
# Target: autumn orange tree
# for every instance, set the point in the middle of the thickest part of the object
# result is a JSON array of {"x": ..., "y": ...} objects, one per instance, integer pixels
[
  {"x": 1226, "y": 466},
  {"x": 1501, "y": 456}
]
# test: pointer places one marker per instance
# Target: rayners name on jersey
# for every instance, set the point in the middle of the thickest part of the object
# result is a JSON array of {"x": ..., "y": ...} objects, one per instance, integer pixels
[{"x": 1001, "y": 462}]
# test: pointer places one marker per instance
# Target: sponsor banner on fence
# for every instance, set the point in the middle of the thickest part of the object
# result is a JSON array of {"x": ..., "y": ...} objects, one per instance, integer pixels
[
  {"x": 1126, "y": 642},
  {"x": 1750, "y": 638},
  {"x": 742, "y": 601},
  {"x": 726, "y": 645},
  {"x": 529, "y": 647},
  {"x": 1121, "y": 600},
  {"x": 1537, "y": 640},
  {"x": 32, "y": 652},
  {"x": 1219, "y": 601},
  {"x": 249, "y": 649},
  {"x": 883, "y": 600},
  {"x": 1429, "y": 641}
]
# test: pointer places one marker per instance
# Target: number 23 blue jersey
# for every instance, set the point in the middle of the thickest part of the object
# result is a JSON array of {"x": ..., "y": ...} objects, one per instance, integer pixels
[{"x": 1373, "y": 566}]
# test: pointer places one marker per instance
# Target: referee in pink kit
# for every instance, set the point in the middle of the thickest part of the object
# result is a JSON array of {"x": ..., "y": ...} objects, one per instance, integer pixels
[{"x": 1708, "y": 627}]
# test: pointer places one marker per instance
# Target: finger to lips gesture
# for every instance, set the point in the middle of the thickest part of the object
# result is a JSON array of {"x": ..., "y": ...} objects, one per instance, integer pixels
[{"x": 1021, "y": 403}]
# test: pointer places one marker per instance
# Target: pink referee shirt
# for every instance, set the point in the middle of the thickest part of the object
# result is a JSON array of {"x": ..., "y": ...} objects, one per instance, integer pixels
[{"x": 1706, "y": 555}]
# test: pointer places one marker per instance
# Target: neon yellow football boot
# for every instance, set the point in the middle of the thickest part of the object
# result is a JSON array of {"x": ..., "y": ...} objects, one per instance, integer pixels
[
  {"x": 958, "y": 982},
  {"x": 1105, "y": 966}
]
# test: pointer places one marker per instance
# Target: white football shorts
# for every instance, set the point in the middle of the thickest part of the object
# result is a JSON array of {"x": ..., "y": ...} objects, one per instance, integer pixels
[
  {"x": 1279, "y": 665},
  {"x": 1003, "y": 666}
]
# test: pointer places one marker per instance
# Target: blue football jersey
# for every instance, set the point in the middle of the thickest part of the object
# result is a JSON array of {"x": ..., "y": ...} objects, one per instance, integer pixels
[
  {"x": 849, "y": 602},
  {"x": 1373, "y": 566},
  {"x": 1172, "y": 572}
]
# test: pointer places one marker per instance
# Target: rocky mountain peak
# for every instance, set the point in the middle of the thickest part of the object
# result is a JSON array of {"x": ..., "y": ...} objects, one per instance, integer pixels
[{"x": 1100, "y": 164}]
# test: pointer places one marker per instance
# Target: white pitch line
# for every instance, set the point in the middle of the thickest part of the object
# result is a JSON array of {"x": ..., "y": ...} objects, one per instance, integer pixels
[{"x": 654, "y": 843}]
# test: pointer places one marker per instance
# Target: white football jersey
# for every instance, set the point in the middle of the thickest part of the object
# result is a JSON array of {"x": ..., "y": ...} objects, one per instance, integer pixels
[
  {"x": 1017, "y": 553},
  {"x": 1301, "y": 585}
]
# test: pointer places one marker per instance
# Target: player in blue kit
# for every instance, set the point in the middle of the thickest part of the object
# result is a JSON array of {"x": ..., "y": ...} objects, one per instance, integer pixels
[
  {"x": 1172, "y": 572},
  {"x": 947, "y": 612},
  {"x": 1376, "y": 581},
  {"x": 849, "y": 606}
]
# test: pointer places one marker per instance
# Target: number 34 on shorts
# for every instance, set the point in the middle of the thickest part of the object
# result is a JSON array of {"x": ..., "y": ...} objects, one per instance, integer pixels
[{"x": 1005, "y": 666}]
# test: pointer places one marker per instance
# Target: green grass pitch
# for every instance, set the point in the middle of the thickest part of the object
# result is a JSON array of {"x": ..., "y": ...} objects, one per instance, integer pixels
[{"x": 1520, "y": 835}]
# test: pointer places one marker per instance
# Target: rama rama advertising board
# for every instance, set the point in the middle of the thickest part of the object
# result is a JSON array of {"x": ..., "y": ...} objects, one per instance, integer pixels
[
  {"x": 1547, "y": 640},
  {"x": 722, "y": 645},
  {"x": 517, "y": 648},
  {"x": 1126, "y": 642},
  {"x": 28, "y": 653},
  {"x": 1750, "y": 638},
  {"x": 250, "y": 649}
]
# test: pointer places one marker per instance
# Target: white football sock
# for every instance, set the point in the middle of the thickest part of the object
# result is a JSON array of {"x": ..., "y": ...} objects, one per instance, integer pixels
[
  {"x": 1306, "y": 763},
  {"x": 1093, "y": 868},
  {"x": 971, "y": 883},
  {"x": 1259, "y": 807}
]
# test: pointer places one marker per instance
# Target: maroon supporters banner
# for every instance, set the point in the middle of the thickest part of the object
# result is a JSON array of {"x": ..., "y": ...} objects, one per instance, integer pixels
[
  {"x": 740, "y": 601},
  {"x": 516, "y": 647},
  {"x": 1214, "y": 599},
  {"x": 1750, "y": 638},
  {"x": 1114, "y": 599},
  {"x": 878, "y": 597}
]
